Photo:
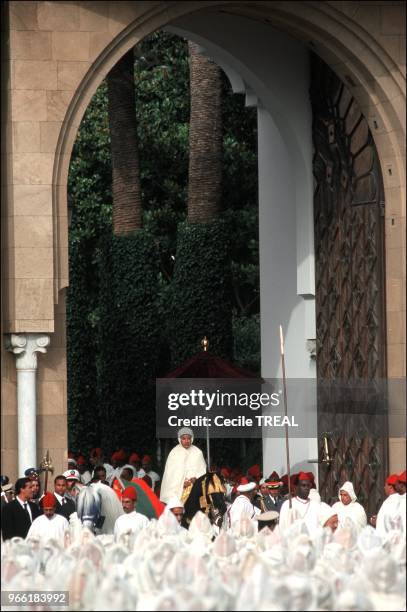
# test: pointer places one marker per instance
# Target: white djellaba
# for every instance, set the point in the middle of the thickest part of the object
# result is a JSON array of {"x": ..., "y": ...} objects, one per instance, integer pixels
[
  {"x": 353, "y": 511},
  {"x": 182, "y": 464},
  {"x": 391, "y": 513},
  {"x": 165, "y": 567}
]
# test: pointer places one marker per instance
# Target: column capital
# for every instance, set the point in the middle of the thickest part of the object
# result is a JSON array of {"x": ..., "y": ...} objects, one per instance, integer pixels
[{"x": 25, "y": 347}]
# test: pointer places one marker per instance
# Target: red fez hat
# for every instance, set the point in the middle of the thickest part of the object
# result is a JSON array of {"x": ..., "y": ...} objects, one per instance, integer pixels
[
  {"x": 134, "y": 457},
  {"x": 254, "y": 471},
  {"x": 146, "y": 459},
  {"x": 96, "y": 452},
  {"x": 392, "y": 479},
  {"x": 306, "y": 476},
  {"x": 81, "y": 460},
  {"x": 48, "y": 500},
  {"x": 225, "y": 472},
  {"x": 130, "y": 493},
  {"x": 119, "y": 455},
  {"x": 402, "y": 477}
]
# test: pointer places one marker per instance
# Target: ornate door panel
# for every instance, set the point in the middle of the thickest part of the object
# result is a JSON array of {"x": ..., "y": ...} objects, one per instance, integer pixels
[{"x": 349, "y": 261}]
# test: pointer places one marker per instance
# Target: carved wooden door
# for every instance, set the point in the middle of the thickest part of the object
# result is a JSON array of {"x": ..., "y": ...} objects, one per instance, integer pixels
[{"x": 349, "y": 250}]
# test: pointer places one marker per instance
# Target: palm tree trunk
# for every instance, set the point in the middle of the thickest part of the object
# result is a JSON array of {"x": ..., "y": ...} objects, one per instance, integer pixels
[
  {"x": 124, "y": 147},
  {"x": 205, "y": 139}
]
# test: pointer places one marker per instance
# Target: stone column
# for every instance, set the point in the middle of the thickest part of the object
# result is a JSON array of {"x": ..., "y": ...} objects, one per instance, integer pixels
[{"x": 26, "y": 347}]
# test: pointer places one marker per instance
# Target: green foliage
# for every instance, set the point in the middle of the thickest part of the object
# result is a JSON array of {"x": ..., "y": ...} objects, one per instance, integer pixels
[
  {"x": 162, "y": 114},
  {"x": 82, "y": 376},
  {"x": 246, "y": 342},
  {"x": 129, "y": 337},
  {"x": 201, "y": 292},
  {"x": 90, "y": 173}
]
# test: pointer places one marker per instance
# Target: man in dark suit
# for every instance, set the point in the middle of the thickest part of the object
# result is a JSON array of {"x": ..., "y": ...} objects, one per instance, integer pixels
[
  {"x": 17, "y": 515},
  {"x": 65, "y": 506},
  {"x": 274, "y": 486}
]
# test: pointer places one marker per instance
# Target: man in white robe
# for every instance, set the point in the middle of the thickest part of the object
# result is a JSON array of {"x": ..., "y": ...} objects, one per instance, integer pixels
[
  {"x": 389, "y": 516},
  {"x": 131, "y": 521},
  {"x": 348, "y": 508},
  {"x": 176, "y": 507},
  {"x": 96, "y": 459},
  {"x": 49, "y": 526},
  {"x": 401, "y": 490},
  {"x": 243, "y": 504},
  {"x": 302, "y": 507},
  {"x": 184, "y": 465},
  {"x": 82, "y": 468},
  {"x": 327, "y": 516}
]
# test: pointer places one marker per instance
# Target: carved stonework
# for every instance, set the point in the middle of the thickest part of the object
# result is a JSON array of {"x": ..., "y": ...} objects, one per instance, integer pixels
[{"x": 26, "y": 347}]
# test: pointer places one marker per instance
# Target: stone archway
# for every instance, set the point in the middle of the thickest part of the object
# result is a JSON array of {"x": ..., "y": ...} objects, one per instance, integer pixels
[{"x": 59, "y": 54}]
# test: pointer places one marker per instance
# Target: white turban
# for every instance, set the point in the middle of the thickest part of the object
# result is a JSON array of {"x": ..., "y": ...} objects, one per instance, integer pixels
[
  {"x": 185, "y": 431},
  {"x": 348, "y": 488},
  {"x": 174, "y": 502},
  {"x": 246, "y": 488}
]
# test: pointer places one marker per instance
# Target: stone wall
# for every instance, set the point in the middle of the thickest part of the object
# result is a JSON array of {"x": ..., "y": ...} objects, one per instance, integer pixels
[{"x": 55, "y": 54}]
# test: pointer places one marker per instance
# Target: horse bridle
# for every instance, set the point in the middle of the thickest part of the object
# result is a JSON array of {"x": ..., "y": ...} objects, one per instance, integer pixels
[{"x": 98, "y": 524}]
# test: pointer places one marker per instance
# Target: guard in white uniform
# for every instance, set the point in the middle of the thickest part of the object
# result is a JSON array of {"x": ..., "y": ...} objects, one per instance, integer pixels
[{"x": 243, "y": 504}]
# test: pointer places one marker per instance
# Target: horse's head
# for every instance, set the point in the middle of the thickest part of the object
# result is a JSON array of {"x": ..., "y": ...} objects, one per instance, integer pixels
[{"x": 89, "y": 508}]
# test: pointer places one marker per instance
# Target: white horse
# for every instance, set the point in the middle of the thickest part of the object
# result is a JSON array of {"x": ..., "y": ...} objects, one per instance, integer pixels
[{"x": 97, "y": 508}]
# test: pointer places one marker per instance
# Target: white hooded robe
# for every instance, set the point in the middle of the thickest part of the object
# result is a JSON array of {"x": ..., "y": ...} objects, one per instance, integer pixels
[
  {"x": 353, "y": 511},
  {"x": 182, "y": 464}
]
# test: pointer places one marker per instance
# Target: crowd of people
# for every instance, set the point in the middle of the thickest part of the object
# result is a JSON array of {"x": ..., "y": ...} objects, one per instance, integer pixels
[
  {"x": 263, "y": 499},
  {"x": 271, "y": 506}
]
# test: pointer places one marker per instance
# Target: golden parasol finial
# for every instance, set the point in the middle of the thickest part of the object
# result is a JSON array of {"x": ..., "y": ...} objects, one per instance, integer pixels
[
  {"x": 205, "y": 343},
  {"x": 46, "y": 466}
]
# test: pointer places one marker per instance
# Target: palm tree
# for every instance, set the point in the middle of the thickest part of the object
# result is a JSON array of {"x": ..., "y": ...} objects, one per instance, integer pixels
[
  {"x": 205, "y": 139},
  {"x": 126, "y": 189}
]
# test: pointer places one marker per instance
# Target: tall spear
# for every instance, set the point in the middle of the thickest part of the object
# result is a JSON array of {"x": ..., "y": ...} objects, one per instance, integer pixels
[
  {"x": 287, "y": 448},
  {"x": 205, "y": 345}
]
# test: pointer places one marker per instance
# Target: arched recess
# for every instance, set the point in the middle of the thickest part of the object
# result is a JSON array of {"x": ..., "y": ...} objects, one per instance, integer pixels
[{"x": 372, "y": 75}]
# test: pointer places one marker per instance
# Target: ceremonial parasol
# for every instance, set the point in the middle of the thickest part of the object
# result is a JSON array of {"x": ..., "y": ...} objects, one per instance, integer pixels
[{"x": 207, "y": 365}]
